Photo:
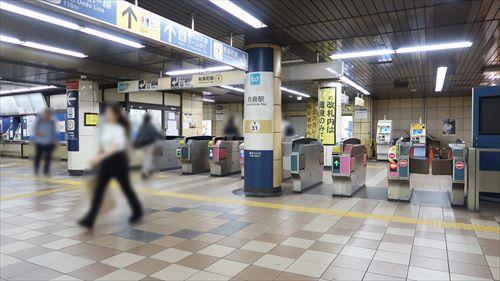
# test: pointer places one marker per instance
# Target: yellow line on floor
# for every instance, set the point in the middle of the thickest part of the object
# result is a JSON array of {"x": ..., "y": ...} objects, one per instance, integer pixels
[{"x": 277, "y": 206}]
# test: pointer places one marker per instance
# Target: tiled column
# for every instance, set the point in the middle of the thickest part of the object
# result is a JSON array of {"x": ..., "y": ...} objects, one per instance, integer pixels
[
  {"x": 262, "y": 125},
  {"x": 83, "y": 97}
]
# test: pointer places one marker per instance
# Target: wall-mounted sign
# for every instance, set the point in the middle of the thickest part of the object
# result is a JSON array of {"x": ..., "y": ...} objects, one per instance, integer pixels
[
  {"x": 72, "y": 121},
  {"x": 219, "y": 115},
  {"x": 361, "y": 114},
  {"x": 206, "y": 127},
  {"x": 359, "y": 102},
  {"x": 326, "y": 115},
  {"x": 181, "y": 82},
  {"x": 131, "y": 18},
  {"x": 312, "y": 119},
  {"x": 90, "y": 119}
]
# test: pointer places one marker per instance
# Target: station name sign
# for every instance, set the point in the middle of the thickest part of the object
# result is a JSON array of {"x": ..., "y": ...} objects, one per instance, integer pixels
[
  {"x": 131, "y": 18},
  {"x": 233, "y": 77}
]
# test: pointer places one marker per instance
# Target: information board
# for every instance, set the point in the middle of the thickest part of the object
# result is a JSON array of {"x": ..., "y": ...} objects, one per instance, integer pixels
[{"x": 326, "y": 115}]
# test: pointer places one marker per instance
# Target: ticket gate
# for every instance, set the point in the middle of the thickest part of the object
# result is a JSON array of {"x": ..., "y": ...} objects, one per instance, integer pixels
[
  {"x": 193, "y": 154},
  {"x": 349, "y": 169},
  {"x": 224, "y": 155},
  {"x": 306, "y": 163},
  {"x": 398, "y": 172},
  {"x": 168, "y": 158},
  {"x": 455, "y": 168}
]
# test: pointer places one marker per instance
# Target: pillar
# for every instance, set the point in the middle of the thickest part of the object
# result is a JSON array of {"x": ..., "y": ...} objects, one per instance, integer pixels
[
  {"x": 82, "y": 97},
  {"x": 329, "y": 117},
  {"x": 262, "y": 121}
]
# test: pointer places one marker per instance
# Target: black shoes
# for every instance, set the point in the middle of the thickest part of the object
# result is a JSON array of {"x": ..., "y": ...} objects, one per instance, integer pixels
[
  {"x": 136, "y": 217},
  {"x": 86, "y": 223}
]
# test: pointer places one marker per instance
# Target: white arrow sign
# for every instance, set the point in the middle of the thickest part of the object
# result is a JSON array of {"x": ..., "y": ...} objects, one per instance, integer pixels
[
  {"x": 71, "y": 99},
  {"x": 171, "y": 31}
]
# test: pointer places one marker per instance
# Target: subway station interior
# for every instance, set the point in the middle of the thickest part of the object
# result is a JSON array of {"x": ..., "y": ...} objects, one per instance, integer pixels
[{"x": 249, "y": 140}]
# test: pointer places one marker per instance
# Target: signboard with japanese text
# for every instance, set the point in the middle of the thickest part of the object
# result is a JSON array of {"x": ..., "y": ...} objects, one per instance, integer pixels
[
  {"x": 312, "y": 119},
  {"x": 326, "y": 115},
  {"x": 131, "y": 18},
  {"x": 72, "y": 121},
  {"x": 258, "y": 111}
]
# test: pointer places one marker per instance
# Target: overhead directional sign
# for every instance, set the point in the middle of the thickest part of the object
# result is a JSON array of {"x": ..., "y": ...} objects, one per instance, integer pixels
[{"x": 131, "y": 18}]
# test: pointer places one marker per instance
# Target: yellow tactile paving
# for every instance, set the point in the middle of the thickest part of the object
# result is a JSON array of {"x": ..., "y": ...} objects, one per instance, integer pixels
[{"x": 236, "y": 201}]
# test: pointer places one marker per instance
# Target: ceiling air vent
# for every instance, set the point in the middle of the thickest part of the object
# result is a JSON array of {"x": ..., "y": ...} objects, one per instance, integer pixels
[{"x": 401, "y": 83}]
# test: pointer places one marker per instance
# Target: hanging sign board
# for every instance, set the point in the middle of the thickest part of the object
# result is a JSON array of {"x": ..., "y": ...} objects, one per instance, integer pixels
[
  {"x": 234, "y": 77},
  {"x": 326, "y": 115},
  {"x": 128, "y": 17}
]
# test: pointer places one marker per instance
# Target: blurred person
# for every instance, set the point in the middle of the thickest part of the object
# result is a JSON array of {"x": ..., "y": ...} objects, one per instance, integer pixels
[
  {"x": 147, "y": 138},
  {"x": 287, "y": 128},
  {"x": 112, "y": 162},
  {"x": 230, "y": 129},
  {"x": 45, "y": 139}
]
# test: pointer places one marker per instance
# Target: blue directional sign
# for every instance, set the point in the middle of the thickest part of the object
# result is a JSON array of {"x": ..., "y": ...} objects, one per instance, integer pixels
[
  {"x": 104, "y": 10},
  {"x": 185, "y": 38}
]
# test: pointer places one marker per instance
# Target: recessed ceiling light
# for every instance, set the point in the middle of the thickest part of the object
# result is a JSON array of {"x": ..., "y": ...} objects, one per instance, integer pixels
[
  {"x": 208, "y": 100},
  {"x": 440, "y": 75},
  {"x": 198, "y": 70},
  {"x": 238, "y": 12}
]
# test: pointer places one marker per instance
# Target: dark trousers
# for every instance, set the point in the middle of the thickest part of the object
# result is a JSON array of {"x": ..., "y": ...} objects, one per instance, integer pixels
[
  {"x": 43, "y": 151},
  {"x": 115, "y": 166}
]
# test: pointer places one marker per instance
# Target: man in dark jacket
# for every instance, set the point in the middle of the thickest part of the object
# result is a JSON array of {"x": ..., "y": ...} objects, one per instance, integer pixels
[
  {"x": 147, "y": 138},
  {"x": 45, "y": 139}
]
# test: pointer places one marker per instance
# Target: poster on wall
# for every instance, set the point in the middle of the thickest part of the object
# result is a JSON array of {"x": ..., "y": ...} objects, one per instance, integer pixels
[
  {"x": 312, "y": 119},
  {"x": 326, "y": 113},
  {"x": 361, "y": 114},
  {"x": 206, "y": 128},
  {"x": 449, "y": 126}
]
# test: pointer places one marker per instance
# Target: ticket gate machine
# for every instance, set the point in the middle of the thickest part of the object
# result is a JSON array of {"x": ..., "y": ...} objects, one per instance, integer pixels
[
  {"x": 193, "y": 154},
  {"x": 224, "y": 155},
  {"x": 168, "y": 158},
  {"x": 398, "y": 172},
  {"x": 306, "y": 163},
  {"x": 349, "y": 169},
  {"x": 458, "y": 181}
]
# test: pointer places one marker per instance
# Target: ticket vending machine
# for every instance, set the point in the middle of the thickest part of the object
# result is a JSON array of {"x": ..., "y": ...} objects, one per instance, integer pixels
[
  {"x": 349, "y": 169},
  {"x": 398, "y": 171},
  {"x": 193, "y": 154},
  {"x": 224, "y": 155},
  {"x": 384, "y": 138},
  {"x": 306, "y": 163},
  {"x": 418, "y": 138}
]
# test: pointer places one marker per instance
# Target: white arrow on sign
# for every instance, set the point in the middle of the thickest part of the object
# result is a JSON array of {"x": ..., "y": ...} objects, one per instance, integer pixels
[
  {"x": 71, "y": 99},
  {"x": 170, "y": 30}
]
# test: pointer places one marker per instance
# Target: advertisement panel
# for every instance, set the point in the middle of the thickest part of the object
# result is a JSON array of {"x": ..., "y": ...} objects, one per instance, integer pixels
[{"x": 326, "y": 115}]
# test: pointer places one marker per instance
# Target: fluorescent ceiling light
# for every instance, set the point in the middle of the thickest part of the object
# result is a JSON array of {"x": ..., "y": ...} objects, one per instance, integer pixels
[
  {"x": 227, "y": 87},
  {"x": 39, "y": 46},
  {"x": 413, "y": 49},
  {"x": 293, "y": 92},
  {"x": 28, "y": 89},
  {"x": 198, "y": 70},
  {"x": 238, "y": 12},
  {"x": 66, "y": 24},
  {"x": 362, "y": 54},
  {"x": 208, "y": 100},
  {"x": 354, "y": 85},
  {"x": 111, "y": 37},
  {"x": 36, "y": 15},
  {"x": 441, "y": 74},
  {"x": 9, "y": 39},
  {"x": 424, "y": 48}
]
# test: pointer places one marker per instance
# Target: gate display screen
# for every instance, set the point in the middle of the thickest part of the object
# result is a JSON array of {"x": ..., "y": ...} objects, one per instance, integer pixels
[{"x": 489, "y": 116}]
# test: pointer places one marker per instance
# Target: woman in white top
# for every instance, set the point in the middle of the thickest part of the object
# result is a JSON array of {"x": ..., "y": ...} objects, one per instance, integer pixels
[{"x": 112, "y": 162}]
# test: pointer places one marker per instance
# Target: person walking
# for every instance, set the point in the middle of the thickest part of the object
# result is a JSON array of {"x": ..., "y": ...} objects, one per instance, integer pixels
[
  {"x": 147, "y": 138},
  {"x": 112, "y": 162},
  {"x": 45, "y": 139}
]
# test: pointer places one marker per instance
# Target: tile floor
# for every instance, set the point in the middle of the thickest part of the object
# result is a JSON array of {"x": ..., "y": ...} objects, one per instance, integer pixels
[{"x": 182, "y": 239}]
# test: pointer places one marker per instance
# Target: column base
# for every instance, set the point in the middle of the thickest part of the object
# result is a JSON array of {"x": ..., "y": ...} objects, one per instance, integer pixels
[{"x": 275, "y": 192}]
